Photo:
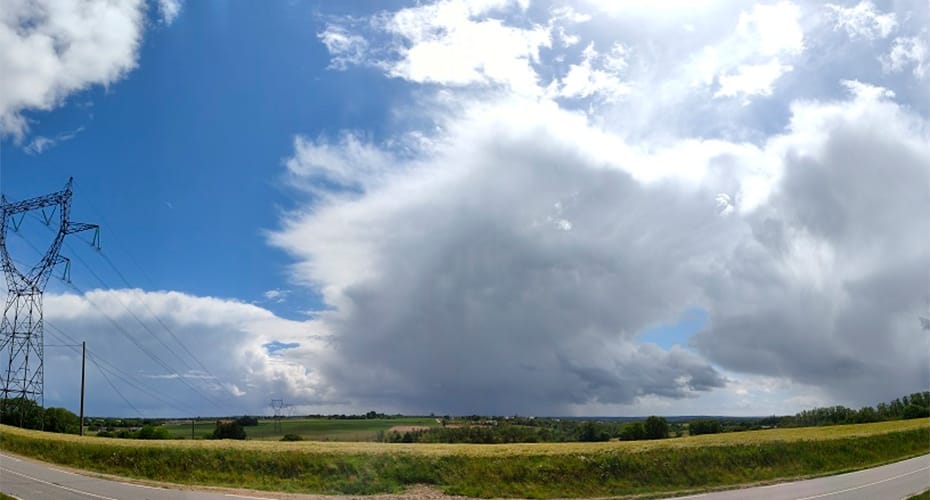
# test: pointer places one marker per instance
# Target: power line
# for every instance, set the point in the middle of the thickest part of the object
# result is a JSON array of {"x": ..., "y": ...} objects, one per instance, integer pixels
[
  {"x": 114, "y": 237},
  {"x": 122, "y": 375},
  {"x": 145, "y": 350},
  {"x": 229, "y": 394},
  {"x": 126, "y": 334},
  {"x": 94, "y": 361},
  {"x": 144, "y": 326},
  {"x": 162, "y": 323}
]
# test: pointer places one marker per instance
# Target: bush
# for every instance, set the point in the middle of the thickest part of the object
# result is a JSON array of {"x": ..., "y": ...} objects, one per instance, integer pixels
[
  {"x": 633, "y": 432},
  {"x": 150, "y": 432},
  {"x": 656, "y": 428},
  {"x": 590, "y": 432},
  {"x": 292, "y": 437},
  {"x": 696, "y": 427},
  {"x": 62, "y": 420},
  {"x": 228, "y": 430},
  {"x": 247, "y": 421}
]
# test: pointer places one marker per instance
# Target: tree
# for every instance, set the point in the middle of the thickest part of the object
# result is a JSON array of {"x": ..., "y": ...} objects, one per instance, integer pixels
[
  {"x": 247, "y": 421},
  {"x": 656, "y": 428},
  {"x": 62, "y": 420},
  {"x": 228, "y": 430},
  {"x": 21, "y": 412},
  {"x": 696, "y": 427},
  {"x": 152, "y": 432},
  {"x": 914, "y": 411},
  {"x": 633, "y": 432},
  {"x": 590, "y": 432}
]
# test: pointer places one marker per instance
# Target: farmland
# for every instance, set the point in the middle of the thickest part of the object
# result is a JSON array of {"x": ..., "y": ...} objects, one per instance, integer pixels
[
  {"x": 311, "y": 429},
  {"x": 542, "y": 470}
]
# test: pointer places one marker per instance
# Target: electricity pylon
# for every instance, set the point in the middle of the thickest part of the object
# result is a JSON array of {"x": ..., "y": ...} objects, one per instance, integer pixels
[
  {"x": 23, "y": 376},
  {"x": 278, "y": 406}
]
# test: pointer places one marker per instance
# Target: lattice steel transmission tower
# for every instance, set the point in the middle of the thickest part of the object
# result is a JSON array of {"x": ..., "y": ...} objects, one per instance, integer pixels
[
  {"x": 278, "y": 406},
  {"x": 23, "y": 374}
]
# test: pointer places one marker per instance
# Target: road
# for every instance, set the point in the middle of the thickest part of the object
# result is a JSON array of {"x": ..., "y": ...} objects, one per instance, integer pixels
[
  {"x": 28, "y": 479},
  {"x": 888, "y": 482}
]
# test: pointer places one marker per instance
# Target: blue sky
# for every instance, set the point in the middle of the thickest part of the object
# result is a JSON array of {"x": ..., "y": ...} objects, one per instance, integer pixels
[
  {"x": 211, "y": 108},
  {"x": 494, "y": 206}
]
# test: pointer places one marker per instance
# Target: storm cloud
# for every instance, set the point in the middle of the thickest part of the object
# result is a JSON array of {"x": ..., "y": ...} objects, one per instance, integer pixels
[{"x": 510, "y": 258}]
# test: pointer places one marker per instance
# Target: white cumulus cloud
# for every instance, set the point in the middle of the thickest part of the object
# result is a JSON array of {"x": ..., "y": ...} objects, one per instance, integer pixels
[
  {"x": 52, "y": 49},
  {"x": 863, "y": 20}
]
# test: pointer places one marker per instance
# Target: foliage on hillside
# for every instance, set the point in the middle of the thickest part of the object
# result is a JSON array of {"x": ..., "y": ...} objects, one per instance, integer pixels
[
  {"x": 29, "y": 415},
  {"x": 502, "y": 430},
  {"x": 917, "y": 405}
]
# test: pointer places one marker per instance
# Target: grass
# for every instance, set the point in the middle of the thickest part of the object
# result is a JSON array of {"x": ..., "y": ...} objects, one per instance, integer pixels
[
  {"x": 315, "y": 429},
  {"x": 535, "y": 470},
  {"x": 4, "y": 496},
  {"x": 922, "y": 496}
]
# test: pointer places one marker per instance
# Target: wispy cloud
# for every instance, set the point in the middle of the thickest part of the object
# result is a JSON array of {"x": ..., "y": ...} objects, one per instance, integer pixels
[
  {"x": 168, "y": 10},
  {"x": 276, "y": 295},
  {"x": 40, "y": 144}
]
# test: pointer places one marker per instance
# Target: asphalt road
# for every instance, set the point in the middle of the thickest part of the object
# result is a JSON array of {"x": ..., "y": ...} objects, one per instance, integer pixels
[
  {"x": 888, "y": 482},
  {"x": 28, "y": 479}
]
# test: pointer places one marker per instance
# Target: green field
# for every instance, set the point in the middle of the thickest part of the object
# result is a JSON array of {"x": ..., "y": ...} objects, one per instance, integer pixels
[
  {"x": 312, "y": 429},
  {"x": 544, "y": 470}
]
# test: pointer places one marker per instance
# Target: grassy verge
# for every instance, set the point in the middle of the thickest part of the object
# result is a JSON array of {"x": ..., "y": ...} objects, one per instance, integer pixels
[
  {"x": 544, "y": 470},
  {"x": 923, "y": 496}
]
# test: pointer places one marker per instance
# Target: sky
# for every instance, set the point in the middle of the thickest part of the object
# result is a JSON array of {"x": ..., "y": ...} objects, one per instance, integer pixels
[{"x": 533, "y": 207}]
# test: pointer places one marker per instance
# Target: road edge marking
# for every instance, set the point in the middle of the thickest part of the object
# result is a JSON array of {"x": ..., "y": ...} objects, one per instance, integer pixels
[
  {"x": 73, "y": 490},
  {"x": 892, "y": 478}
]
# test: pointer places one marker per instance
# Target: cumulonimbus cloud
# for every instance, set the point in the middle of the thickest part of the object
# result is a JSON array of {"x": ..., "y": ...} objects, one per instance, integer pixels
[{"x": 512, "y": 266}]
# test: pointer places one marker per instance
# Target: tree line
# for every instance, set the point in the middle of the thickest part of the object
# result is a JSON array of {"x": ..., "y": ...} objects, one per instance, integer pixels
[
  {"x": 25, "y": 413},
  {"x": 486, "y": 430},
  {"x": 491, "y": 430},
  {"x": 916, "y": 405}
]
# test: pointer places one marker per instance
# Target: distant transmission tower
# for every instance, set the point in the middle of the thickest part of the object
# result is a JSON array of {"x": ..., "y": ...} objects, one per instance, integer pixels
[
  {"x": 278, "y": 406},
  {"x": 21, "y": 329}
]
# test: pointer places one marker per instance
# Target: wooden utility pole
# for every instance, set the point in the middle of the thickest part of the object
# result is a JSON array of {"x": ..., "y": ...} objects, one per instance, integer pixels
[{"x": 83, "y": 362}]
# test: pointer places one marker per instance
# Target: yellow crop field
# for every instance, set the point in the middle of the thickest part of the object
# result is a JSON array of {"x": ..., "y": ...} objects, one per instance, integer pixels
[
  {"x": 544, "y": 470},
  {"x": 491, "y": 450}
]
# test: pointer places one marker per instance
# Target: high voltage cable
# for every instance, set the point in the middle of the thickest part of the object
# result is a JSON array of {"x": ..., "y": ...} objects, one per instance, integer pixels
[
  {"x": 94, "y": 361},
  {"x": 138, "y": 320},
  {"x": 131, "y": 338},
  {"x": 117, "y": 372},
  {"x": 163, "y": 325},
  {"x": 141, "y": 347},
  {"x": 151, "y": 355},
  {"x": 106, "y": 378},
  {"x": 203, "y": 367},
  {"x": 115, "y": 238},
  {"x": 135, "y": 385},
  {"x": 144, "y": 326}
]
